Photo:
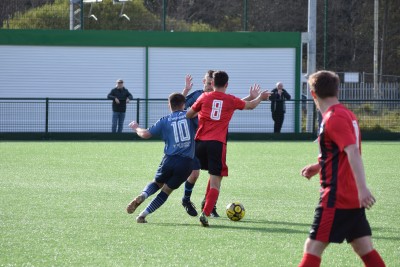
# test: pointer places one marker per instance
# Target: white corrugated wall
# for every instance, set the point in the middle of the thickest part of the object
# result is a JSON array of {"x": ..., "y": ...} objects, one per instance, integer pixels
[
  {"x": 90, "y": 72},
  {"x": 245, "y": 66},
  {"x": 70, "y": 72}
]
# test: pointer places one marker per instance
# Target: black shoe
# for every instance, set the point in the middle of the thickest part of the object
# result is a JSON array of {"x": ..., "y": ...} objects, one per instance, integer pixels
[
  {"x": 214, "y": 212},
  {"x": 190, "y": 208},
  {"x": 203, "y": 220}
]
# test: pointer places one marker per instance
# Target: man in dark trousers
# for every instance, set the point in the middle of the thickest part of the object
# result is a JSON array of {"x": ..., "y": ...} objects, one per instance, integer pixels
[
  {"x": 278, "y": 106},
  {"x": 120, "y": 97}
]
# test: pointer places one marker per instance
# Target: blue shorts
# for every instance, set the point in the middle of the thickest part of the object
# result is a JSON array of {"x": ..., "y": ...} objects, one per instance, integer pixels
[
  {"x": 174, "y": 170},
  {"x": 196, "y": 164}
]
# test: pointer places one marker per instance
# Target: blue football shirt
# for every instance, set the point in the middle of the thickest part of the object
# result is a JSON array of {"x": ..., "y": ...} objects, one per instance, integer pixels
[
  {"x": 190, "y": 99},
  {"x": 178, "y": 133}
]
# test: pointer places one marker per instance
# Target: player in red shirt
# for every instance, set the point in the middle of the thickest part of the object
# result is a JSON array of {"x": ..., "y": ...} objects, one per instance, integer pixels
[
  {"x": 215, "y": 110},
  {"x": 340, "y": 214}
]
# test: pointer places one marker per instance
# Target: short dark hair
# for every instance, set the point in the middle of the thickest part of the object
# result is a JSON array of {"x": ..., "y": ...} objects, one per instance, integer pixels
[
  {"x": 210, "y": 73},
  {"x": 324, "y": 83},
  {"x": 220, "y": 78},
  {"x": 176, "y": 101}
]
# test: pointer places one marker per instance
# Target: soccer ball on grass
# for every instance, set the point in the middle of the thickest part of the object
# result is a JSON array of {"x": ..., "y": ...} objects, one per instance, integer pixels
[{"x": 235, "y": 211}]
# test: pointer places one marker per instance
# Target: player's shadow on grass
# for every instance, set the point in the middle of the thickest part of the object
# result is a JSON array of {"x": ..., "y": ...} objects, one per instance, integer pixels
[
  {"x": 392, "y": 238},
  {"x": 391, "y": 233},
  {"x": 240, "y": 226},
  {"x": 244, "y": 225},
  {"x": 276, "y": 222}
]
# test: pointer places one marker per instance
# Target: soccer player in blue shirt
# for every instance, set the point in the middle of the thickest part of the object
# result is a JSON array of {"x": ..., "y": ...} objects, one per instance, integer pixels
[
  {"x": 194, "y": 175},
  {"x": 178, "y": 134}
]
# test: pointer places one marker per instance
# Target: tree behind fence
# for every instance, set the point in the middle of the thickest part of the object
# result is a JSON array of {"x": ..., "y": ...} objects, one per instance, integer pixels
[{"x": 365, "y": 91}]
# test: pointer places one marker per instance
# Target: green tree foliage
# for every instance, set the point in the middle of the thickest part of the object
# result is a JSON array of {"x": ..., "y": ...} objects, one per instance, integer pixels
[
  {"x": 349, "y": 30},
  {"x": 48, "y": 16},
  {"x": 108, "y": 17}
]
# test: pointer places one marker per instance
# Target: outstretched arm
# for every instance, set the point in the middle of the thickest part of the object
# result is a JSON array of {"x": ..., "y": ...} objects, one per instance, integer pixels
[
  {"x": 254, "y": 103},
  {"x": 191, "y": 113},
  {"x": 143, "y": 133},
  {"x": 253, "y": 93},
  {"x": 367, "y": 200}
]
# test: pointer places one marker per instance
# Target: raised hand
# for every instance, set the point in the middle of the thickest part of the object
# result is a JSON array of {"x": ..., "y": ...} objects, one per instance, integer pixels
[
  {"x": 254, "y": 91},
  {"x": 188, "y": 82}
]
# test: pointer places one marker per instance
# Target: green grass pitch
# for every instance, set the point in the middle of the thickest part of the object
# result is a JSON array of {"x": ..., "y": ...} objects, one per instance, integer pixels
[{"x": 63, "y": 204}]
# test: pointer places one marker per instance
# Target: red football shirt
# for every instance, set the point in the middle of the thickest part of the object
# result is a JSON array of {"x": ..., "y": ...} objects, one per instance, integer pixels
[
  {"x": 339, "y": 129},
  {"x": 215, "y": 112}
]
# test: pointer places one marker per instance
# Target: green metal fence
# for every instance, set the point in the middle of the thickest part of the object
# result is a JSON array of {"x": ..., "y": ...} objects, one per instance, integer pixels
[{"x": 32, "y": 118}]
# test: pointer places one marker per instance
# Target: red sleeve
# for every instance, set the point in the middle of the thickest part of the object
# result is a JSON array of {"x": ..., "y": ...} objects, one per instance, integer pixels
[
  {"x": 239, "y": 103},
  {"x": 341, "y": 131},
  {"x": 197, "y": 105}
]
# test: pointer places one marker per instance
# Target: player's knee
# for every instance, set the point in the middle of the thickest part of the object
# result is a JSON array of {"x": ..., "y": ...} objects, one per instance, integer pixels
[
  {"x": 362, "y": 246},
  {"x": 314, "y": 247},
  {"x": 167, "y": 189},
  {"x": 194, "y": 176},
  {"x": 160, "y": 185}
]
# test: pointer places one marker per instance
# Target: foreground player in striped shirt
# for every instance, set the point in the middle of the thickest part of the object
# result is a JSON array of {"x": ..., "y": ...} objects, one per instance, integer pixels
[{"x": 340, "y": 214}]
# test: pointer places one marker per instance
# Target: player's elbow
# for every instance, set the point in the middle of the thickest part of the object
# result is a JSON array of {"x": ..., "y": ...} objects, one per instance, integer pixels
[
  {"x": 190, "y": 114},
  {"x": 250, "y": 106},
  {"x": 146, "y": 135}
]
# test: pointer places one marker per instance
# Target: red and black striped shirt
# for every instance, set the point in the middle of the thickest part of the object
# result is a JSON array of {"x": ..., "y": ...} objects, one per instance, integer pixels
[{"x": 339, "y": 129}]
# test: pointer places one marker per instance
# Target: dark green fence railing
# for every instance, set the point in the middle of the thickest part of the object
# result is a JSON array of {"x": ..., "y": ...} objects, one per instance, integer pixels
[{"x": 53, "y": 118}]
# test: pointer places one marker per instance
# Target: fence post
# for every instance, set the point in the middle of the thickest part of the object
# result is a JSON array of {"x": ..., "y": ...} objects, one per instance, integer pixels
[
  {"x": 47, "y": 116},
  {"x": 137, "y": 109}
]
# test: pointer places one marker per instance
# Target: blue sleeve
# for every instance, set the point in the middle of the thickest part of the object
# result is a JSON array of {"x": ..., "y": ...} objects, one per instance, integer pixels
[
  {"x": 156, "y": 128},
  {"x": 190, "y": 99}
]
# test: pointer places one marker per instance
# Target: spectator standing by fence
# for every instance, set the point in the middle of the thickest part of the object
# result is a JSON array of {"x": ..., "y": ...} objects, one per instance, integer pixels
[
  {"x": 120, "y": 97},
  {"x": 278, "y": 106}
]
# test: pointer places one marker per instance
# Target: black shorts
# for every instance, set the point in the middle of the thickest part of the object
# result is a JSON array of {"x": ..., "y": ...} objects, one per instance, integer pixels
[
  {"x": 174, "y": 170},
  {"x": 212, "y": 157},
  {"x": 335, "y": 225}
]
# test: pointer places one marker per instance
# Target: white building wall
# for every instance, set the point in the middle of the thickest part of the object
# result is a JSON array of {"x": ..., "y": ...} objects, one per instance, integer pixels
[
  {"x": 90, "y": 72},
  {"x": 70, "y": 72},
  {"x": 245, "y": 66}
]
